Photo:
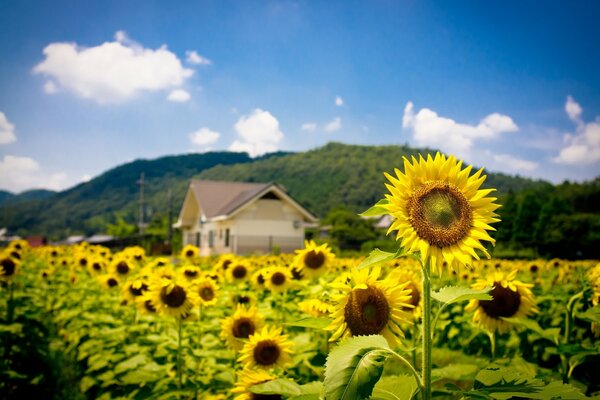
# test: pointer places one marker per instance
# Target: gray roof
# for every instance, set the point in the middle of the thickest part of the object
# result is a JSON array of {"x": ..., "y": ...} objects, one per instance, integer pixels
[{"x": 222, "y": 198}]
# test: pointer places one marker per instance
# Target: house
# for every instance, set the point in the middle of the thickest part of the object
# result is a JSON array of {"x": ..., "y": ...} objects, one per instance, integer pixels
[{"x": 239, "y": 218}]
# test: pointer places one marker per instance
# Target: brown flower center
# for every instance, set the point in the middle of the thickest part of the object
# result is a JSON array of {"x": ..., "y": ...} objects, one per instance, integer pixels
[
  {"x": 226, "y": 264},
  {"x": 149, "y": 306},
  {"x": 191, "y": 273},
  {"x": 243, "y": 328},
  {"x": 266, "y": 352},
  {"x": 367, "y": 311},
  {"x": 505, "y": 302},
  {"x": 8, "y": 266},
  {"x": 314, "y": 260},
  {"x": 122, "y": 267},
  {"x": 440, "y": 213},
  {"x": 112, "y": 282},
  {"x": 278, "y": 279},
  {"x": 139, "y": 291},
  {"x": 207, "y": 293},
  {"x": 239, "y": 272},
  {"x": 189, "y": 253},
  {"x": 175, "y": 298},
  {"x": 415, "y": 294}
]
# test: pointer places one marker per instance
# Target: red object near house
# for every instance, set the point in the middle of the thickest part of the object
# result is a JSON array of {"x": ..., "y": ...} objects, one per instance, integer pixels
[{"x": 36, "y": 241}]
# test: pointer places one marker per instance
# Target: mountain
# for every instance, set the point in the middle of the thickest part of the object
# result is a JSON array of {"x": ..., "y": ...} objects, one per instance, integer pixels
[{"x": 34, "y": 194}]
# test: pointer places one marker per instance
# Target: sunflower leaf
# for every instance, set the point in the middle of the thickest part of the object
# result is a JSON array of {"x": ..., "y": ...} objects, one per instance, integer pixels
[
  {"x": 284, "y": 387},
  {"x": 454, "y": 294},
  {"x": 400, "y": 387},
  {"x": 310, "y": 322},
  {"x": 591, "y": 314},
  {"x": 354, "y": 367},
  {"x": 551, "y": 334},
  {"x": 377, "y": 257},
  {"x": 377, "y": 209}
]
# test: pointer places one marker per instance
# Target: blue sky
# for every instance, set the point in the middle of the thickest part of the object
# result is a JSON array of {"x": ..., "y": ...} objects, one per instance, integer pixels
[{"x": 86, "y": 86}]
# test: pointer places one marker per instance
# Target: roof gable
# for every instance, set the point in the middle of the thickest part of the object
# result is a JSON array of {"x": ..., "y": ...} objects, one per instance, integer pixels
[{"x": 220, "y": 198}]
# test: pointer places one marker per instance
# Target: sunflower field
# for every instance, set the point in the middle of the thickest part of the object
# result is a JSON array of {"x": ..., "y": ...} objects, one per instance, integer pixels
[{"x": 438, "y": 318}]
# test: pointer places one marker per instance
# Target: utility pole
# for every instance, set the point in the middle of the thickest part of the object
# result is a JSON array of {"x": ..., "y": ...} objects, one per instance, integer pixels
[{"x": 141, "y": 205}]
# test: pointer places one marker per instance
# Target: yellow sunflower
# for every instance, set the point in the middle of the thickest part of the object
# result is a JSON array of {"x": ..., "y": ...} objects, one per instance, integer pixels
[
  {"x": 439, "y": 210},
  {"x": 249, "y": 378},
  {"x": 121, "y": 266},
  {"x": 402, "y": 275},
  {"x": 240, "y": 326},
  {"x": 313, "y": 260},
  {"x": 511, "y": 299},
  {"x": 278, "y": 279},
  {"x": 8, "y": 266},
  {"x": 97, "y": 265},
  {"x": 172, "y": 298},
  {"x": 368, "y": 306},
  {"x": 316, "y": 308},
  {"x": 267, "y": 349},
  {"x": 109, "y": 281},
  {"x": 134, "y": 289},
  {"x": 190, "y": 252},
  {"x": 238, "y": 271},
  {"x": 190, "y": 272},
  {"x": 207, "y": 291},
  {"x": 145, "y": 304}
]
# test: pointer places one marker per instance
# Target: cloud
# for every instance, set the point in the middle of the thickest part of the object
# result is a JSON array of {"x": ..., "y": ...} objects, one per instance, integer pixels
[
  {"x": 113, "y": 72},
  {"x": 582, "y": 147},
  {"x": 258, "y": 132},
  {"x": 22, "y": 173},
  {"x": 194, "y": 58},
  {"x": 430, "y": 129},
  {"x": 179, "y": 96},
  {"x": 309, "y": 126},
  {"x": 511, "y": 163},
  {"x": 50, "y": 87},
  {"x": 203, "y": 137},
  {"x": 334, "y": 125},
  {"x": 339, "y": 101},
  {"x": 7, "y": 130}
]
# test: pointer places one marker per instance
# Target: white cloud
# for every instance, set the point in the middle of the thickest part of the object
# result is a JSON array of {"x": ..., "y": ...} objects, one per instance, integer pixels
[
  {"x": 22, "y": 173},
  {"x": 86, "y": 178},
  {"x": 334, "y": 125},
  {"x": 179, "y": 96},
  {"x": 573, "y": 110},
  {"x": 50, "y": 87},
  {"x": 204, "y": 136},
  {"x": 582, "y": 147},
  {"x": 7, "y": 130},
  {"x": 192, "y": 57},
  {"x": 259, "y": 133},
  {"x": 309, "y": 126},
  {"x": 339, "y": 101},
  {"x": 430, "y": 129},
  {"x": 511, "y": 163},
  {"x": 113, "y": 72}
]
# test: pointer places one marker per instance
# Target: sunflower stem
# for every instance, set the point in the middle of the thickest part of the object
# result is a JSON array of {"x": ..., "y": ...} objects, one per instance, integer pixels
[
  {"x": 426, "y": 336},
  {"x": 411, "y": 368},
  {"x": 179, "y": 368},
  {"x": 492, "y": 336}
]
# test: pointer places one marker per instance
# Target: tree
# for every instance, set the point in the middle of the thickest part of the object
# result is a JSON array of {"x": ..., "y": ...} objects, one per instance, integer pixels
[{"x": 348, "y": 229}]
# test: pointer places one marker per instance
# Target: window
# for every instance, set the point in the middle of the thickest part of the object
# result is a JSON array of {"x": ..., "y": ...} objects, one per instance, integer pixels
[
  {"x": 227, "y": 237},
  {"x": 211, "y": 239},
  {"x": 198, "y": 239}
]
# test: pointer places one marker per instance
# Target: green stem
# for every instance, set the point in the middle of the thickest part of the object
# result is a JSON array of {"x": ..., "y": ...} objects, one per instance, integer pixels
[
  {"x": 10, "y": 305},
  {"x": 179, "y": 367},
  {"x": 426, "y": 336},
  {"x": 411, "y": 368},
  {"x": 492, "y": 336},
  {"x": 568, "y": 327}
]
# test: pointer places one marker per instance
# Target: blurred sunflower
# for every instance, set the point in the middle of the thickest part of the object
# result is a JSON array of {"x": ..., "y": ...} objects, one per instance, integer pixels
[
  {"x": 172, "y": 298},
  {"x": 279, "y": 279},
  {"x": 121, "y": 266},
  {"x": 207, "y": 291},
  {"x": 243, "y": 323},
  {"x": 248, "y": 378},
  {"x": 238, "y": 271},
  {"x": 190, "y": 252},
  {"x": 258, "y": 279},
  {"x": 224, "y": 262},
  {"x": 8, "y": 266},
  {"x": 97, "y": 265},
  {"x": 402, "y": 275},
  {"x": 109, "y": 281},
  {"x": 190, "y": 272},
  {"x": 266, "y": 349},
  {"x": 134, "y": 289},
  {"x": 313, "y": 260},
  {"x": 368, "y": 306},
  {"x": 145, "y": 304},
  {"x": 511, "y": 299},
  {"x": 439, "y": 211},
  {"x": 316, "y": 308}
]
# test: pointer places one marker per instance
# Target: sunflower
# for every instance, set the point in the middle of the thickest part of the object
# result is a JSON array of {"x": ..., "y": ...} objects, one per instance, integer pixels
[
  {"x": 511, "y": 299},
  {"x": 109, "y": 281},
  {"x": 145, "y": 304},
  {"x": 134, "y": 289},
  {"x": 190, "y": 272},
  {"x": 368, "y": 306},
  {"x": 238, "y": 271},
  {"x": 278, "y": 279},
  {"x": 313, "y": 260},
  {"x": 316, "y": 308},
  {"x": 97, "y": 265},
  {"x": 439, "y": 211},
  {"x": 249, "y": 378},
  {"x": 266, "y": 349},
  {"x": 121, "y": 266},
  {"x": 8, "y": 267},
  {"x": 207, "y": 291},
  {"x": 189, "y": 252},
  {"x": 240, "y": 326},
  {"x": 172, "y": 298},
  {"x": 224, "y": 262},
  {"x": 402, "y": 275}
]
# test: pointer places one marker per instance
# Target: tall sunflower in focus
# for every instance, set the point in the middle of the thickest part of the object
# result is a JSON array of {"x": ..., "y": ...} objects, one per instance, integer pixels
[
  {"x": 439, "y": 210},
  {"x": 240, "y": 326},
  {"x": 249, "y": 378},
  {"x": 511, "y": 299},
  {"x": 313, "y": 260},
  {"x": 267, "y": 349},
  {"x": 368, "y": 306}
]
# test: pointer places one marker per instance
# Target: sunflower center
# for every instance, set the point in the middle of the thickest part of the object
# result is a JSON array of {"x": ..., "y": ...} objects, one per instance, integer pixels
[
  {"x": 505, "y": 302},
  {"x": 314, "y": 259},
  {"x": 226, "y": 264},
  {"x": 149, "y": 306},
  {"x": 175, "y": 298},
  {"x": 207, "y": 293},
  {"x": 278, "y": 279},
  {"x": 189, "y": 253},
  {"x": 122, "y": 267},
  {"x": 367, "y": 311},
  {"x": 440, "y": 213},
  {"x": 415, "y": 295},
  {"x": 96, "y": 266},
  {"x": 8, "y": 266},
  {"x": 112, "y": 282},
  {"x": 266, "y": 352},
  {"x": 239, "y": 272},
  {"x": 190, "y": 273},
  {"x": 260, "y": 279},
  {"x": 82, "y": 262},
  {"x": 243, "y": 328},
  {"x": 139, "y": 291}
]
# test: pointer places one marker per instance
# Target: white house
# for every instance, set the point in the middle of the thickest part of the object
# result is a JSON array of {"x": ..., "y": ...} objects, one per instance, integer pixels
[{"x": 237, "y": 217}]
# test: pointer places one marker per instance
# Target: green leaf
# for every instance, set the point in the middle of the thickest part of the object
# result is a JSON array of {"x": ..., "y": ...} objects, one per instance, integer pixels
[
  {"x": 86, "y": 383},
  {"x": 454, "y": 294},
  {"x": 377, "y": 209},
  {"x": 310, "y": 322},
  {"x": 354, "y": 367},
  {"x": 284, "y": 387},
  {"x": 551, "y": 334},
  {"x": 455, "y": 372},
  {"x": 591, "y": 314},
  {"x": 377, "y": 257},
  {"x": 131, "y": 363},
  {"x": 401, "y": 387}
]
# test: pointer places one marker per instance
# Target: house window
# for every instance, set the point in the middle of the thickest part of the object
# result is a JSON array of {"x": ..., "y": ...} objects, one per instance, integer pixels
[
  {"x": 220, "y": 233},
  {"x": 198, "y": 238},
  {"x": 211, "y": 239},
  {"x": 227, "y": 237}
]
